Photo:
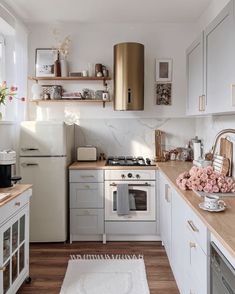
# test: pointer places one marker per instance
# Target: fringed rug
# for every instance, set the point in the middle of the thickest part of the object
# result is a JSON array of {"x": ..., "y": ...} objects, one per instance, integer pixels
[{"x": 105, "y": 274}]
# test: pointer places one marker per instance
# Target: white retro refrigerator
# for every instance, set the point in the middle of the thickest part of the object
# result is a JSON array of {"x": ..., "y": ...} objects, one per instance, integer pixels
[{"x": 46, "y": 150}]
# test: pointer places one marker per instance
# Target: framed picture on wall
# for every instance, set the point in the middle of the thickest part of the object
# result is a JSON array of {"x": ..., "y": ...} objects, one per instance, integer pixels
[
  {"x": 164, "y": 70},
  {"x": 44, "y": 62},
  {"x": 163, "y": 93}
]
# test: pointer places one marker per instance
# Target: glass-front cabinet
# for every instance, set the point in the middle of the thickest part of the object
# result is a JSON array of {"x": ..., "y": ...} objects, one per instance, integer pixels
[{"x": 14, "y": 251}]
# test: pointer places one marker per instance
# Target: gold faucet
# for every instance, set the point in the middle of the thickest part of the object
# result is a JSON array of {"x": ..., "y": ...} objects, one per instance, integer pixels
[{"x": 223, "y": 132}]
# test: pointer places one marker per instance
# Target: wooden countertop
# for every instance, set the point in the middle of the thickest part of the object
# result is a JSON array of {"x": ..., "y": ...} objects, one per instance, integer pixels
[
  {"x": 221, "y": 224},
  {"x": 14, "y": 191},
  {"x": 101, "y": 165}
]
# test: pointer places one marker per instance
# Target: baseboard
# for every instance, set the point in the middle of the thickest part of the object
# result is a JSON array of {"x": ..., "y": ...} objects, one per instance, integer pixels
[{"x": 133, "y": 238}]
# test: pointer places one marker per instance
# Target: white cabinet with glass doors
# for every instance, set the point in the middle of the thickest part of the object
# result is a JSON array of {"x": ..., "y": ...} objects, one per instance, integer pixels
[{"x": 14, "y": 243}]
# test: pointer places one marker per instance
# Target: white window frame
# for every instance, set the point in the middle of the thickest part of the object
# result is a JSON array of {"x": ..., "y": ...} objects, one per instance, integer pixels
[{"x": 2, "y": 60}]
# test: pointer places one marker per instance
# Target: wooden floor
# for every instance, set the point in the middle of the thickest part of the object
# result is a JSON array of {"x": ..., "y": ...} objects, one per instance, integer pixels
[{"x": 48, "y": 264}]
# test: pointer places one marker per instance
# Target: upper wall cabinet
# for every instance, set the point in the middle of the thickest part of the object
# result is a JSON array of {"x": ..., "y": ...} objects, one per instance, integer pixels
[
  {"x": 195, "y": 77},
  {"x": 219, "y": 50},
  {"x": 213, "y": 90}
]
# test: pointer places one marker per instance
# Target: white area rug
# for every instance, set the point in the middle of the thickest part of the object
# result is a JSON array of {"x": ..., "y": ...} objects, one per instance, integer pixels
[{"x": 98, "y": 274}]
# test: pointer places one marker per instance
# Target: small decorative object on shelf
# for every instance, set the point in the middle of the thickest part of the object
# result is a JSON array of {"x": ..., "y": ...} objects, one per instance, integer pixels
[
  {"x": 57, "y": 66},
  {"x": 37, "y": 91},
  {"x": 98, "y": 70},
  {"x": 75, "y": 74},
  {"x": 105, "y": 95},
  {"x": 85, "y": 73}
]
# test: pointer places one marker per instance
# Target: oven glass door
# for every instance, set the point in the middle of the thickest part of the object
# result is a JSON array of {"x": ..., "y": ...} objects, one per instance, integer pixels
[{"x": 141, "y": 201}]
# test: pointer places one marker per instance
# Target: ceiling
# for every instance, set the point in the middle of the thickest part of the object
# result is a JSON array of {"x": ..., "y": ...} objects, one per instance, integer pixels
[{"x": 103, "y": 11}]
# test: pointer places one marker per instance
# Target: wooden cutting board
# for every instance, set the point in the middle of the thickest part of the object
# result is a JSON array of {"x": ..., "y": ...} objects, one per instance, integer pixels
[{"x": 226, "y": 150}]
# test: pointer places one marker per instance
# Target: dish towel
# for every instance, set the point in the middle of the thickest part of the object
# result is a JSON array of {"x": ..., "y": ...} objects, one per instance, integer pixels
[{"x": 123, "y": 203}]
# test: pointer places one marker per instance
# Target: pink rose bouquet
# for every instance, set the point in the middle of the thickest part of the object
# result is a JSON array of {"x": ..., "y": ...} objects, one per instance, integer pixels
[{"x": 206, "y": 180}]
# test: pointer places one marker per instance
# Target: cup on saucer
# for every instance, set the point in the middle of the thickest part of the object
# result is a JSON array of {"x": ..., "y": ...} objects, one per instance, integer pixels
[{"x": 213, "y": 202}]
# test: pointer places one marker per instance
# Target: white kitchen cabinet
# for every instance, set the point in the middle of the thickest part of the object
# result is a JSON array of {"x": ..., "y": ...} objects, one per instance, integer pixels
[
  {"x": 14, "y": 243},
  {"x": 219, "y": 66},
  {"x": 178, "y": 239},
  {"x": 186, "y": 240},
  {"x": 87, "y": 221},
  {"x": 86, "y": 195},
  {"x": 197, "y": 256},
  {"x": 195, "y": 77},
  {"x": 211, "y": 67},
  {"x": 86, "y": 205},
  {"x": 165, "y": 213}
]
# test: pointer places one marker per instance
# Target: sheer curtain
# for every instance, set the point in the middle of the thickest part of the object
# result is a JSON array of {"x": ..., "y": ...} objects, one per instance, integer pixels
[
  {"x": 16, "y": 63},
  {"x": 21, "y": 69}
]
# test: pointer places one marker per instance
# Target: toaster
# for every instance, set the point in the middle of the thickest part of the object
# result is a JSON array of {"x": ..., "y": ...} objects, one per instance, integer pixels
[{"x": 87, "y": 153}]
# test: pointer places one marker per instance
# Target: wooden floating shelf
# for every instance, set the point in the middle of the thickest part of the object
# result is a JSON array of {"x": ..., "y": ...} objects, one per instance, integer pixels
[
  {"x": 69, "y": 100},
  {"x": 69, "y": 78}
]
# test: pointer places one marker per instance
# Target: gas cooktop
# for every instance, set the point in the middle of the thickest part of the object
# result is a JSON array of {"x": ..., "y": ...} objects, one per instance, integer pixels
[{"x": 128, "y": 161}]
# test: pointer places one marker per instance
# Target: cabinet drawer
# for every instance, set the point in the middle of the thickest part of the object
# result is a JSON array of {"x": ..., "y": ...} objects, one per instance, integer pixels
[
  {"x": 198, "y": 230},
  {"x": 86, "y": 195},
  {"x": 88, "y": 176},
  {"x": 86, "y": 221},
  {"x": 14, "y": 205}
]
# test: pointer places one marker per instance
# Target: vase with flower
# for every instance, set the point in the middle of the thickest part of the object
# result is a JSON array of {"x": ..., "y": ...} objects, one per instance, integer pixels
[
  {"x": 63, "y": 47},
  {"x": 7, "y": 93}
]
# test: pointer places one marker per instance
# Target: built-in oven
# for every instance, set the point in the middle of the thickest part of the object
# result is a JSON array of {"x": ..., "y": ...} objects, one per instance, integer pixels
[
  {"x": 141, "y": 193},
  {"x": 222, "y": 273}
]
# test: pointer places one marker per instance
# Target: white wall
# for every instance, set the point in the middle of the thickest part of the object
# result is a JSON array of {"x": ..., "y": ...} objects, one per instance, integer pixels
[
  {"x": 94, "y": 43},
  {"x": 120, "y": 133},
  {"x": 210, "y": 13}
]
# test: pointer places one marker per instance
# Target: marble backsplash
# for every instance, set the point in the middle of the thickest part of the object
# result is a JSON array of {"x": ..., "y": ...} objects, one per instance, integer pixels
[{"x": 133, "y": 136}]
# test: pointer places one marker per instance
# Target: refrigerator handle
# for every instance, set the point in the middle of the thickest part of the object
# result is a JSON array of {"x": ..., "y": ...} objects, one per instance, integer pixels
[
  {"x": 29, "y": 149},
  {"x": 24, "y": 164}
]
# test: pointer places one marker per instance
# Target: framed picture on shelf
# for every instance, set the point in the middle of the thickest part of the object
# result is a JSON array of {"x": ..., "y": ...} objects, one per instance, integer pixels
[
  {"x": 44, "y": 62},
  {"x": 163, "y": 70}
]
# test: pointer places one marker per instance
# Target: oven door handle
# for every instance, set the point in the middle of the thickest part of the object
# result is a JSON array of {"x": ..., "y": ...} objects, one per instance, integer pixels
[{"x": 138, "y": 185}]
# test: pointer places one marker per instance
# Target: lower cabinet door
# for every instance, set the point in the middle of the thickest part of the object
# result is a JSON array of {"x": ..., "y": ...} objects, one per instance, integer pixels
[
  {"x": 197, "y": 267},
  {"x": 178, "y": 239},
  {"x": 194, "y": 286},
  {"x": 86, "y": 221},
  {"x": 14, "y": 251}
]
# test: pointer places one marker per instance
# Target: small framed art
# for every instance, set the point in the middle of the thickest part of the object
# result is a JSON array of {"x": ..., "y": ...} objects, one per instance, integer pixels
[
  {"x": 44, "y": 62},
  {"x": 163, "y": 70},
  {"x": 163, "y": 93}
]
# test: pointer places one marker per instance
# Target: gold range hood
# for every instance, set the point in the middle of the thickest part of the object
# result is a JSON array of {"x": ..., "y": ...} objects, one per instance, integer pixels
[{"x": 129, "y": 76}]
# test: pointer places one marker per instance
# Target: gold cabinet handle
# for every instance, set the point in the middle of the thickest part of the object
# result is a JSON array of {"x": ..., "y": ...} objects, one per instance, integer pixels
[
  {"x": 192, "y": 245},
  {"x": 203, "y": 102},
  {"x": 199, "y": 103},
  {"x": 192, "y": 226},
  {"x": 167, "y": 188},
  {"x": 17, "y": 203},
  {"x": 233, "y": 96},
  {"x": 2, "y": 269}
]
